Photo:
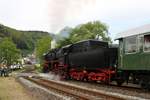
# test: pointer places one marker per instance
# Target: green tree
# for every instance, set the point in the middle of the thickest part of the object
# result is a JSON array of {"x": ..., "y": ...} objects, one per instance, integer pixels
[
  {"x": 24, "y": 40},
  {"x": 87, "y": 31},
  {"x": 8, "y": 52},
  {"x": 42, "y": 46}
]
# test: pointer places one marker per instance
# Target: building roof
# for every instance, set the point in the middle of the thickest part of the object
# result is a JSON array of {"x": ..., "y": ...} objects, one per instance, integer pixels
[{"x": 134, "y": 31}]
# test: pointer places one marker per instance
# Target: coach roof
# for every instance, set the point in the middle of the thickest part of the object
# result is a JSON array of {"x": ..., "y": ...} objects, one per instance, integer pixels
[{"x": 134, "y": 31}]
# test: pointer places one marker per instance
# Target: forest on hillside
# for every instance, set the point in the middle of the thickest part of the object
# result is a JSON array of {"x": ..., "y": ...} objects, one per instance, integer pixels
[{"x": 24, "y": 40}]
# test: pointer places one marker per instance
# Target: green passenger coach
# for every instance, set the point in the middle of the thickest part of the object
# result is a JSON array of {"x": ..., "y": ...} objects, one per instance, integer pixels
[{"x": 134, "y": 55}]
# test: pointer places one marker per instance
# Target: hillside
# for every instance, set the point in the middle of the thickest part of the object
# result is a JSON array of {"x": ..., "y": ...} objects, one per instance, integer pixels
[{"x": 24, "y": 40}]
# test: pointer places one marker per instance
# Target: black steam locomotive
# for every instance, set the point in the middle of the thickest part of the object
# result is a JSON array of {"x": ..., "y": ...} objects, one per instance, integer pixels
[{"x": 89, "y": 60}]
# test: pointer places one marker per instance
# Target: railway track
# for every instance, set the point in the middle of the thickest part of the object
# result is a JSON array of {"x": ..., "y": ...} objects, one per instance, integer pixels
[
  {"x": 76, "y": 92},
  {"x": 123, "y": 87},
  {"x": 132, "y": 91}
]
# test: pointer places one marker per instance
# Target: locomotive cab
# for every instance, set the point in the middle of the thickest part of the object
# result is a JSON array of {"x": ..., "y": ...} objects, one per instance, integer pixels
[{"x": 62, "y": 54}]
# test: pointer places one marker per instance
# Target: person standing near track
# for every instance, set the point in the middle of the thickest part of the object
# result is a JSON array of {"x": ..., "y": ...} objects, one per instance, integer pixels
[{"x": 2, "y": 71}]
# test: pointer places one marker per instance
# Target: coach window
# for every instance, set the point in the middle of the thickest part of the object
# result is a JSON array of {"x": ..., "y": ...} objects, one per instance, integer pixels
[
  {"x": 147, "y": 43},
  {"x": 140, "y": 42},
  {"x": 130, "y": 45}
]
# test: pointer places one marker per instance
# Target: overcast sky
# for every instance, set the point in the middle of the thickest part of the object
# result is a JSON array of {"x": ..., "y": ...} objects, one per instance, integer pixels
[{"x": 53, "y": 15}]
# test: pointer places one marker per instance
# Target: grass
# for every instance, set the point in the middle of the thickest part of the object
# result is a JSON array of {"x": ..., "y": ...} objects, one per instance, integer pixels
[{"x": 10, "y": 89}]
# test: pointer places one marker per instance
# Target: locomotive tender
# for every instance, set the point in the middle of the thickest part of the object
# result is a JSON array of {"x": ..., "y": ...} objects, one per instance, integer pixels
[{"x": 93, "y": 60}]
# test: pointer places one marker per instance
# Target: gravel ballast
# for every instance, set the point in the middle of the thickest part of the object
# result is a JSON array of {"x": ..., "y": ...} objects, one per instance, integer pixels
[
  {"x": 132, "y": 95},
  {"x": 40, "y": 92},
  {"x": 129, "y": 95}
]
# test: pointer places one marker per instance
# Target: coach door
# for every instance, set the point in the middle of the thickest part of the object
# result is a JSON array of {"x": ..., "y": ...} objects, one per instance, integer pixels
[{"x": 121, "y": 53}]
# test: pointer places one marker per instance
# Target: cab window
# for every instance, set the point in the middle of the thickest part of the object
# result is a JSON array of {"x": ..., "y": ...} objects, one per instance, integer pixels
[
  {"x": 147, "y": 43},
  {"x": 130, "y": 45}
]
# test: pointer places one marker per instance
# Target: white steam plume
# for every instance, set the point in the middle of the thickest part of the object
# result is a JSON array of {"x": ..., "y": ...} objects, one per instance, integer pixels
[{"x": 63, "y": 11}]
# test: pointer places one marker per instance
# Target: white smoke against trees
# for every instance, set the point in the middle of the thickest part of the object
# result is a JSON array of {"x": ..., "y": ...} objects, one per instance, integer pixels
[{"x": 64, "y": 11}]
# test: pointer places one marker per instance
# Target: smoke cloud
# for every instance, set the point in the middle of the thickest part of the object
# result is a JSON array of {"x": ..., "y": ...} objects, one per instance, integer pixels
[
  {"x": 50, "y": 76},
  {"x": 64, "y": 11}
]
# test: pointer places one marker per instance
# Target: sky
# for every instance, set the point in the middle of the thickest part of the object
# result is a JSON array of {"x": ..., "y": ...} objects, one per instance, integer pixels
[{"x": 53, "y": 15}]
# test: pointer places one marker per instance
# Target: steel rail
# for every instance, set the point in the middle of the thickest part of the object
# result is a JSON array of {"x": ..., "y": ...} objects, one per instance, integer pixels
[{"x": 74, "y": 91}]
